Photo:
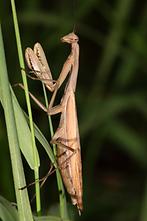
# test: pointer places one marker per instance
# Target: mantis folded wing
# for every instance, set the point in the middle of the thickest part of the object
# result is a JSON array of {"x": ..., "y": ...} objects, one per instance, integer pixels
[{"x": 67, "y": 134}]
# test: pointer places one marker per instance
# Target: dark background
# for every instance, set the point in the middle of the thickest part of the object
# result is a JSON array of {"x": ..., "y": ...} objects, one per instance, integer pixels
[{"x": 111, "y": 99}]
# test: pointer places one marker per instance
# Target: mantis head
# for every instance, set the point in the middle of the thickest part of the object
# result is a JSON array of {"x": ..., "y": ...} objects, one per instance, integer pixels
[{"x": 70, "y": 38}]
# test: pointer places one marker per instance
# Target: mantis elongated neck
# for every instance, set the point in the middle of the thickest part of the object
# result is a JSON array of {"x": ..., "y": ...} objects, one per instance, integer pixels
[{"x": 75, "y": 67}]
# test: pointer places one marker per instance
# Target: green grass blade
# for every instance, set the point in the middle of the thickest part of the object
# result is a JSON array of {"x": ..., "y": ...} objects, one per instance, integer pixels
[
  {"x": 24, "y": 135},
  {"x": 49, "y": 218},
  {"x": 7, "y": 211},
  {"x": 17, "y": 167}
]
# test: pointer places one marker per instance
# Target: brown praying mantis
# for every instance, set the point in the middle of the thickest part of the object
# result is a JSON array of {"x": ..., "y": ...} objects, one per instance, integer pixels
[{"x": 66, "y": 136}]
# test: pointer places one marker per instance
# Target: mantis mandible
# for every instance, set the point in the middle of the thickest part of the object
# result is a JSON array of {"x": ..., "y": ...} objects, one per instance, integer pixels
[{"x": 67, "y": 134}]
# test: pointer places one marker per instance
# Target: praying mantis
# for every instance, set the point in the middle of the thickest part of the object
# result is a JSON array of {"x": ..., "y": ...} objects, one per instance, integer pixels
[{"x": 66, "y": 136}]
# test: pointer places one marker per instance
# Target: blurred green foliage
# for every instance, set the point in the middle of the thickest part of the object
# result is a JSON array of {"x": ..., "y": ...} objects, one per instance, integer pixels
[{"x": 111, "y": 98}]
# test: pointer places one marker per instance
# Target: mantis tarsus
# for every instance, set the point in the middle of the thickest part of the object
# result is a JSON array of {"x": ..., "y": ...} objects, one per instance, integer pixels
[{"x": 67, "y": 134}]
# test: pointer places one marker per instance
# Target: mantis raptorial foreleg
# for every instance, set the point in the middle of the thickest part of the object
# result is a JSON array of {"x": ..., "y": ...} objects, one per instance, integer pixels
[{"x": 37, "y": 62}]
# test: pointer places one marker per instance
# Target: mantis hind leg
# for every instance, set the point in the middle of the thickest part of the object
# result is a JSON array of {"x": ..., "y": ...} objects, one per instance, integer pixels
[
  {"x": 63, "y": 158},
  {"x": 60, "y": 144}
]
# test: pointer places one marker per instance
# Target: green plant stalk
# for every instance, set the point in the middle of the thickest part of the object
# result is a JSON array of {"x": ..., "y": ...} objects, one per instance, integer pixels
[
  {"x": 23, "y": 203},
  {"x": 21, "y": 61},
  {"x": 62, "y": 197}
]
